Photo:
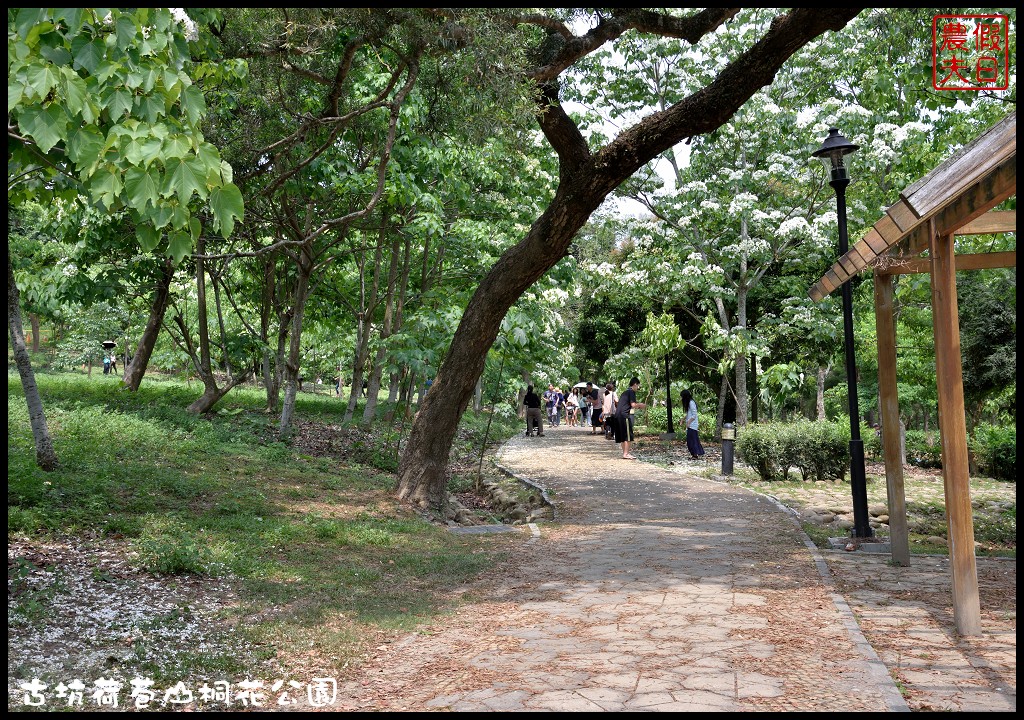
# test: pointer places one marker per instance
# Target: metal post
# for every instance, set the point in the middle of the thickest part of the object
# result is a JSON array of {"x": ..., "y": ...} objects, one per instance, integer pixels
[
  {"x": 858, "y": 479},
  {"x": 728, "y": 447},
  {"x": 668, "y": 397}
]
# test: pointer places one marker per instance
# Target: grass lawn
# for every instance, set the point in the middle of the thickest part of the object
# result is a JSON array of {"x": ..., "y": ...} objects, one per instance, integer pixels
[{"x": 180, "y": 547}]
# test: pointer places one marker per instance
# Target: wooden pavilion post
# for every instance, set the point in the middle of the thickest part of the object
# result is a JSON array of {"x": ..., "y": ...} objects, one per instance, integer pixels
[
  {"x": 889, "y": 409},
  {"x": 953, "y": 433}
]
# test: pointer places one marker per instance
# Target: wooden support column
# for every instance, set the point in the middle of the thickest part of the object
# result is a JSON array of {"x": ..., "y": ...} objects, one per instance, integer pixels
[
  {"x": 889, "y": 409},
  {"x": 953, "y": 433}
]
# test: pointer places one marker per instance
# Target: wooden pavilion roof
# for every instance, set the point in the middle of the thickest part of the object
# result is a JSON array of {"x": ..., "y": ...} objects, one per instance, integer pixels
[{"x": 956, "y": 195}]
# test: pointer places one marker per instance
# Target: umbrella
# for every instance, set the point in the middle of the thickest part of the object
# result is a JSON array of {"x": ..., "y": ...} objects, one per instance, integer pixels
[
  {"x": 583, "y": 384},
  {"x": 109, "y": 344}
]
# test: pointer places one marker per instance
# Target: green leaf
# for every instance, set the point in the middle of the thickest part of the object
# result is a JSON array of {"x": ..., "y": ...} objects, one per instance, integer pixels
[
  {"x": 193, "y": 104},
  {"x": 75, "y": 92},
  {"x": 87, "y": 53},
  {"x": 127, "y": 31},
  {"x": 47, "y": 126},
  {"x": 177, "y": 146},
  {"x": 161, "y": 215},
  {"x": 179, "y": 217},
  {"x": 195, "y": 227},
  {"x": 226, "y": 204},
  {"x": 106, "y": 188},
  {"x": 27, "y": 18},
  {"x": 184, "y": 178},
  {"x": 148, "y": 236},
  {"x": 71, "y": 17},
  {"x": 84, "y": 147},
  {"x": 142, "y": 188},
  {"x": 15, "y": 91},
  {"x": 41, "y": 80},
  {"x": 119, "y": 104},
  {"x": 179, "y": 245}
]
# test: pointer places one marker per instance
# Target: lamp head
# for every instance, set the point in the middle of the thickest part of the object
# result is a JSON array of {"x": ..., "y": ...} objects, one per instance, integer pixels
[{"x": 832, "y": 151}]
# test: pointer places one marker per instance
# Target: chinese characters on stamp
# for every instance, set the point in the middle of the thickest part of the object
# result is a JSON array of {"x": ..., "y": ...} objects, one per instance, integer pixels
[{"x": 970, "y": 52}]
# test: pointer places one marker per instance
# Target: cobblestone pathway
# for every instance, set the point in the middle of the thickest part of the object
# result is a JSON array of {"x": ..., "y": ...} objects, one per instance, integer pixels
[{"x": 650, "y": 591}]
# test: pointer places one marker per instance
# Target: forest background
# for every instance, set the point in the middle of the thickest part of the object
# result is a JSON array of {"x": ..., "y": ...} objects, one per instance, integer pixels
[{"x": 310, "y": 199}]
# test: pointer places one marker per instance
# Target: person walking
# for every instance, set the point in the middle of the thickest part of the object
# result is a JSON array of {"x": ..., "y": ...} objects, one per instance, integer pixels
[
  {"x": 692, "y": 424},
  {"x": 534, "y": 421},
  {"x": 608, "y": 410},
  {"x": 593, "y": 396},
  {"x": 572, "y": 407},
  {"x": 113, "y": 363},
  {"x": 628, "y": 404}
]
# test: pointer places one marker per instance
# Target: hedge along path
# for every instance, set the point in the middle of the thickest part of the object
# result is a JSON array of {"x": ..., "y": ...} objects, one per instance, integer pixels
[{"x": 650, "y": 591}]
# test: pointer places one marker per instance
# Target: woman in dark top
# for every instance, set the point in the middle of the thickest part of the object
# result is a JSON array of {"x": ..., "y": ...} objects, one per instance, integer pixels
[
  {"x": 533, "y": 418},
  {"x": 624, "y": 417}
]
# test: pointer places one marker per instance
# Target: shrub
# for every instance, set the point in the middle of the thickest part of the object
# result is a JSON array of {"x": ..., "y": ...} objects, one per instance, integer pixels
[
  {"x": 995, "y": 449},
  {"x": 820, "y": 450},
  {"x": 758, "y": 445},
  {"x": 656, "y": 419}
]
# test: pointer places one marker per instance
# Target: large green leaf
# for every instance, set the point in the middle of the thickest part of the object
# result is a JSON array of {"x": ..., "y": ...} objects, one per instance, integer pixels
[
  {"x": 41, "y": 80},
  {"x": 148, "y": 236},
  {"x": 87, "y": 53},
  {"x": 106, "y": 187},
  {"x": 185, "y": 177},
  {"x": 179, "y": 244},
  {"x": 74, "y": 90},
  {"x": 84, "y": 147},
  {"x": 47, "y": 126},
  {"x": 226, "y": 204},
  {"x": 142, "y": 187}
]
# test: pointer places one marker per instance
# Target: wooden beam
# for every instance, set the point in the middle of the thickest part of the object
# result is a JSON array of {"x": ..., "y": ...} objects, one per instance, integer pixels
[
  {"x": 967, "y": 167},
  {"x": 903, "y": 216},
  {"x": 993, "y": 222},
  {"x": 979, "y": 198},
  {"x": 975, "y": 261},
  {"x": 889, "y": 409},
  {"x": 953, "y": 434},
  {"x": 970, "y": 206}
]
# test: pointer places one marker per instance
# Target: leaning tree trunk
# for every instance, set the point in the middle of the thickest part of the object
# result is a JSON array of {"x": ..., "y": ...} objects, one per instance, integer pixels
[
  {"x": 421, "y": 472},
  {"x": 585, "y": 180},
  {"x": 140, "y": 360},
  {"x": 46, "y": 457}
]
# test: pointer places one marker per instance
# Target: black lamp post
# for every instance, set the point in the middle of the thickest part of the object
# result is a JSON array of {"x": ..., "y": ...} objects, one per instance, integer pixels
[
  {"x": 668, "y": 399},
  {"x": 832, "y": 152}
]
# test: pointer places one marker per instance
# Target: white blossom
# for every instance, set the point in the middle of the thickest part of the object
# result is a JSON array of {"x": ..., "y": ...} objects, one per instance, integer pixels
[
  {"x": 742, "y": 201},
  {"x": 188, "y": 24},
  {"x": 795, "y": 226}
]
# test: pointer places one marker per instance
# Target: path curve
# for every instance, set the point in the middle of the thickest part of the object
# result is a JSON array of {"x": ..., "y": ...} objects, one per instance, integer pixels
[{"x": 652, "y": 590}]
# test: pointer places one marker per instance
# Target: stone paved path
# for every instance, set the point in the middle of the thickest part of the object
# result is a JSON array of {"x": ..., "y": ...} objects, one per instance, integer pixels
[{"x": 651, "y": 591}]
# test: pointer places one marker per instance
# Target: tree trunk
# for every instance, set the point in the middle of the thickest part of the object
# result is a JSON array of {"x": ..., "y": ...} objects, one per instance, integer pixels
[
  {"x": 291, "y": 367},
  {"x": 373, "y": 387},
  {"x": 46, "y": 456},
  {"x": 34, "y": 322},
  {"x": 723, "y": 395},
  {"x": 478, "y": 395},
  {"x": 585, "y": 180},
  {"x": 820, "y": 393},
  {"x": 140, "y": 359}
]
